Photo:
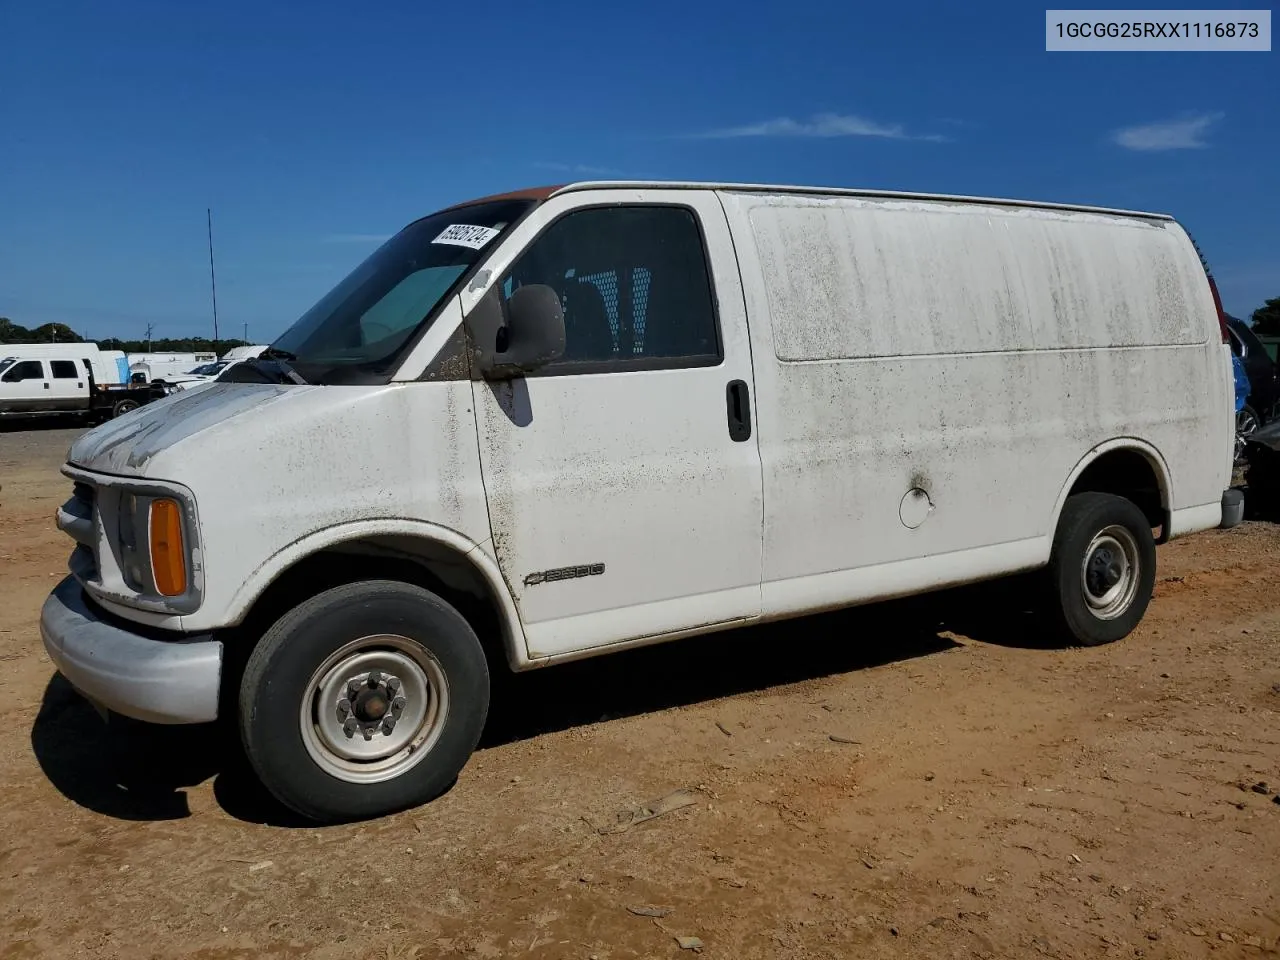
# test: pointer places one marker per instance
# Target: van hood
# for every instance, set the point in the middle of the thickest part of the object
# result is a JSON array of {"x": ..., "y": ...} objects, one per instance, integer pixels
[{"x": 126, "y": 445}]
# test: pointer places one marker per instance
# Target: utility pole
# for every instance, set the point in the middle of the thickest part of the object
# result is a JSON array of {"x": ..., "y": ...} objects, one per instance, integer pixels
[
  {"x": 149, "y": 326},
  {"x": 246, "y": 332},
  {"x": 213, "y": 283}
]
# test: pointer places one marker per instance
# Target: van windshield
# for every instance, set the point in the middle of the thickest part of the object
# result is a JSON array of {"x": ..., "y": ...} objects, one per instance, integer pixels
[
  {"x": 361, "y": 328},
  {"x": 6, "y": 363}
]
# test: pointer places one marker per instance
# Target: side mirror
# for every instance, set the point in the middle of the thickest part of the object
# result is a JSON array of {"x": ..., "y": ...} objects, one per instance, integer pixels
[{"x": 532, "y": 336}]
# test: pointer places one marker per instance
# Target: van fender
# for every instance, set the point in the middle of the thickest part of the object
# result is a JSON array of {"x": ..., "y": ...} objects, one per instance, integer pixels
[
  {"x": 1152, "y": 455},
  {"x": 270, "y": 570}
]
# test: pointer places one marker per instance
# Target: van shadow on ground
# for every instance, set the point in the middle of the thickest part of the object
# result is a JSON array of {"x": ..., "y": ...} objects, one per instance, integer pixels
[
  {"x": 136, "y": 771},
  {"x": 32, "y": 424},
  {"x": 1262, "y": 504}
]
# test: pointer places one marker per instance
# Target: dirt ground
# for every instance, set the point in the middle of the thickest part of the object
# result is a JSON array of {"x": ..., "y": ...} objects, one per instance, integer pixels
[{"x": 921, "y": 779}]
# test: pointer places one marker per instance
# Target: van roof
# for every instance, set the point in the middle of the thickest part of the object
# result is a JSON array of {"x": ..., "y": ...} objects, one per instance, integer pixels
[{"x": 544, "y": 193}]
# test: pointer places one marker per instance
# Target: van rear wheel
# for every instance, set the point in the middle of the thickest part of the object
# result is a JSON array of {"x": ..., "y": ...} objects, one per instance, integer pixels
[
  {"x": 364, "y": 700},
  {"x": 1102, "y": 569}
]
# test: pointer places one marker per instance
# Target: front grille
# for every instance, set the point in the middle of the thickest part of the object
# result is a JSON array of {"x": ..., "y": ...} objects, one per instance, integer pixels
[
  {"x": 77, "y": 518},
  {"x": 83, "y": 564},
  {"x": 84, "y": 493}
]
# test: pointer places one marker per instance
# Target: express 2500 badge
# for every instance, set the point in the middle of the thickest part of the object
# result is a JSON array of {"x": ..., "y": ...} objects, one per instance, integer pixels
[{"x": 564, "y": 573}]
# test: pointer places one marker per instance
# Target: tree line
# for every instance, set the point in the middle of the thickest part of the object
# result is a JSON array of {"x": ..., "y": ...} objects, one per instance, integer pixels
[
  {"x": 169, "y": 345},
  {"x": 1266, "y": 319},
  {"x": 11, "y": 332}
]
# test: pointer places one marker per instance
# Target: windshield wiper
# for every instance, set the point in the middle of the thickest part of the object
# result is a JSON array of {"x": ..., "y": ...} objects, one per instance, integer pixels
[{"x": 281, "y": 359}]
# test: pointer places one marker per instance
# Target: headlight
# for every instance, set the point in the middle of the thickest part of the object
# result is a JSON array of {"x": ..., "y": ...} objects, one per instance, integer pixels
[
  {"x": 133, "y": 562},
  {"x": 153, "y": 547}
]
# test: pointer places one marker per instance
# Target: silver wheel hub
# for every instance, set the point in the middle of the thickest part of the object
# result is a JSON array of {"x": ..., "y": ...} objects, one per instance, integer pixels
[
  {"x": 374, "y": 708},
  {"x": 1246, "y": 426},
  {"x": 1110, "y": 572}
]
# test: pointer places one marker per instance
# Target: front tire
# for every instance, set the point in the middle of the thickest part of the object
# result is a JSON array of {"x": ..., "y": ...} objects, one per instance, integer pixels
[
  {"x": 366, "y": 699},
  {"x": 1102, "y": 569}
]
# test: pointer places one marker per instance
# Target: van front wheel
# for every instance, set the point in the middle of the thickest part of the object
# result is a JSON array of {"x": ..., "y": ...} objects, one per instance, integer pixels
[
  {"x": 1102, "y": 569},
  {"x": 364, "y": 700}
]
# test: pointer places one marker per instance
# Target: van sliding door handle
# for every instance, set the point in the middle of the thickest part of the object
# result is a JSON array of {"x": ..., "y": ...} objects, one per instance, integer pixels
[{"x": 738, "y": 400}]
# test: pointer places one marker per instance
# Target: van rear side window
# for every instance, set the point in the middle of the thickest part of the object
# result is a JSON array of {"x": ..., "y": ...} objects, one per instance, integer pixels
[
  {"x": 63, "y": 369},
  {"x": 634, "y": 284}
]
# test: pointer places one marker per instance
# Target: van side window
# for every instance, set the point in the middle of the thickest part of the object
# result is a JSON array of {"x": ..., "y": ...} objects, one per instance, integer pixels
[
  {"x": 64, "y": 369},
  {"x": 24, "y": 370},
  {"x": 634, "y": 285}
]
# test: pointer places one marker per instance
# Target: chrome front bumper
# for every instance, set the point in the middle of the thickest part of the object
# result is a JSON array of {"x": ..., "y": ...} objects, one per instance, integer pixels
[{"x": 158, "y": 681}]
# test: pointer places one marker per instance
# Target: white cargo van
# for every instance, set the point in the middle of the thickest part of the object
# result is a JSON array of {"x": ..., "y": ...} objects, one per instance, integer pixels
[
  {"x": 558, "y": 423},
  {"x": 161, "y": 366}
]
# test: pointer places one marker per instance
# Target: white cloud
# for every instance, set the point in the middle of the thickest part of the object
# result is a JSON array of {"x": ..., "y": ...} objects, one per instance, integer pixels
[
  {"x": 356, "y": 237},
  {"x": 1184, "y": 134},
  {"x": 582, "y": 169},
  {"x": 823, "y": 125}
]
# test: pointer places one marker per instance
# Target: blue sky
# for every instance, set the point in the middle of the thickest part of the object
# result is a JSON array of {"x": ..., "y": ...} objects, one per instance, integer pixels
[{"x": 312, "y": 134}]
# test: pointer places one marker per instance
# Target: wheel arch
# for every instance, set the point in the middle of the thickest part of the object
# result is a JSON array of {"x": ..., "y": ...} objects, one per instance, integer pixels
[
  {"x": 435, "y": 557},
  {"x": 1114, "y": 467}
]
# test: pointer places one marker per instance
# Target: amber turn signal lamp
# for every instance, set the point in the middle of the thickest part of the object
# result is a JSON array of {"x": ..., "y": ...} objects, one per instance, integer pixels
[{"x": 168, "y": 556}]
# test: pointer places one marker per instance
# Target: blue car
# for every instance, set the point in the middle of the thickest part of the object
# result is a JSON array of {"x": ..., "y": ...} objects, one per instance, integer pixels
[{"x": 1242, "y": 382}]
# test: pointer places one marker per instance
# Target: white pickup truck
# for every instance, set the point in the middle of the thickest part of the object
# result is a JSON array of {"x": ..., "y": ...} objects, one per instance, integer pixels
[
  {"x": 558, "y": 423},
  {"x": 75, "y": 379}
]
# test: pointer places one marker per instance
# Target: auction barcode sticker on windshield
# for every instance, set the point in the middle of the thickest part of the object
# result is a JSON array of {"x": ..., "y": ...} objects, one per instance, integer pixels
[{"x": 466, "y": 235}]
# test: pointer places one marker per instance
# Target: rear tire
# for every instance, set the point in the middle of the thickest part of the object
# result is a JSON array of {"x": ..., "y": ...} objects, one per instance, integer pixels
[
  {"x": 124, "y": 406},
  {"x": 1247, "y": 424},
  {"x": 366, "y": 699},
  {"x": 1102, "y": 569}
]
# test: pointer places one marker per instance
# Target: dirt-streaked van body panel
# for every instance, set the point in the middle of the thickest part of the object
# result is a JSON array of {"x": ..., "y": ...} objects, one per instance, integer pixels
[
  {"x": 633, "y": 473},
  {"x": 272, "y": 466},
  {"x": 960, "y": 361}
]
